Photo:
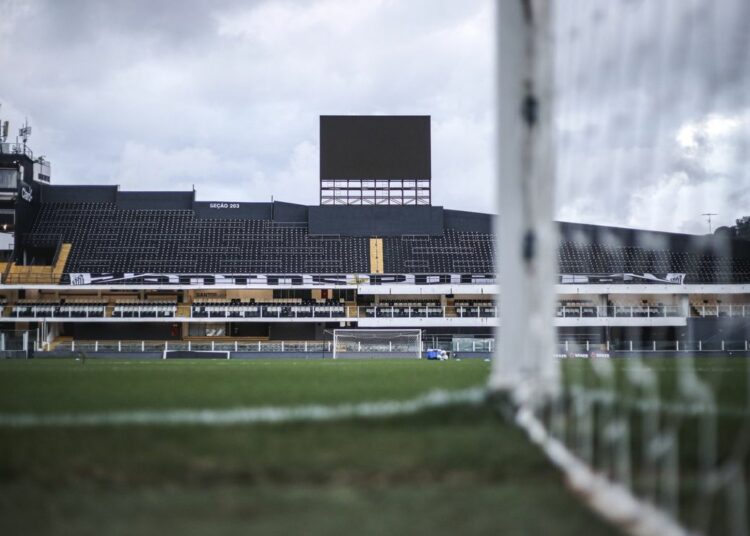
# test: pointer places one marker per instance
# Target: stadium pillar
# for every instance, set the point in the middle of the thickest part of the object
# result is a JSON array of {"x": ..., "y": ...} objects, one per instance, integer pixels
[
  {"x": 684, "y": 302},
  {"x": 2, "y": 341}
]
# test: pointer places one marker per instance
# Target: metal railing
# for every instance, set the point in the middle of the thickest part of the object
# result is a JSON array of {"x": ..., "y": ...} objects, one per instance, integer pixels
[
  {"x": 270, "y": 310},
  {"x": 290, "y": 311},
  {"x": 569, "y": 347},
  {"x": 132, "y": 346},
  {"x": 730, "y": 310},
  {"x": 457, "y": 344},
  {"x": 619, "y": 311},
  {"x": 16, "y": 148}
]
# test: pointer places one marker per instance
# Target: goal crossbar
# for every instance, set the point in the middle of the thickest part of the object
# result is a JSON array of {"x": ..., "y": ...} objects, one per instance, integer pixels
[{"x": 377, "y": 343}]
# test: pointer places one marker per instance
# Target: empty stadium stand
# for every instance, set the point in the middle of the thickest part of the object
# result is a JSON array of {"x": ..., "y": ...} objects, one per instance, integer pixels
[
  {"x": 479, "y": 308},
  {"x": 277, "y": 309},
  {"x": 58, "y": 309},
  {"x": 405, "y": 309},
  {"x": 111, "y": 239},
  {"x": 145, "y": 309},
  {"x": 107, "y": 238}
]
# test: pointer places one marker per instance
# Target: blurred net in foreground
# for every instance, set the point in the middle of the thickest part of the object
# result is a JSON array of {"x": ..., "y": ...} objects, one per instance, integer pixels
[{"x": 636, "y": 115}]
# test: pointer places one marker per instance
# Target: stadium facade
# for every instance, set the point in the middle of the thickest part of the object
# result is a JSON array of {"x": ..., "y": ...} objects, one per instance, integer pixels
[{"x": 98, "y": 267}]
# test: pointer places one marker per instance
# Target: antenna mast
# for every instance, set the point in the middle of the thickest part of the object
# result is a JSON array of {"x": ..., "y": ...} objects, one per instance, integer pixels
[
  {"x": 3, "y": 130},
  {"x": 708, "y": 216},
  {"x": 25, "y": 132}
]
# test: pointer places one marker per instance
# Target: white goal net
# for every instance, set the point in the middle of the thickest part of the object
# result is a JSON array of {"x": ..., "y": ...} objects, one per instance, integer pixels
[
  {"x": 624, "y": 253},
  {"x": 365, "y": 343}
]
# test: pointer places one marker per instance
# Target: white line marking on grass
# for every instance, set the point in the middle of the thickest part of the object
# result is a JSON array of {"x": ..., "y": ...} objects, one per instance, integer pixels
[
  {"x": 610, "y": 499},
  {"x": 257, "y": 415}
]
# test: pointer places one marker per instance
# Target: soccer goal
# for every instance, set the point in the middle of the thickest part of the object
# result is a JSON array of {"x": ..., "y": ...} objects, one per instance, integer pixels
[
  {"x": 16, "y": 344},
  {"x": 365, "y": 343},
  {"x": 628, "y": 114}
]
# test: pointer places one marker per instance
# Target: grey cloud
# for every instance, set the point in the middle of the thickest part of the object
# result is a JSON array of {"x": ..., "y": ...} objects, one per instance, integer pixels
[
  {"x": 629, "y": 79},
  {"x": 129, "y": 91},
  {"x": 134, "y": 91}
]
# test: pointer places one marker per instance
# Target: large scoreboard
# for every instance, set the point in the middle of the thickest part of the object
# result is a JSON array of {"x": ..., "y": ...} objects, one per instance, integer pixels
[
  {"x": 375, "y": 147},
  {"x": 382, "y": 159}
]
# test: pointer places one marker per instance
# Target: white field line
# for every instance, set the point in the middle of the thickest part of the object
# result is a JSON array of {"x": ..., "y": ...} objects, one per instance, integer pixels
[
  {"x": 611, "y": 500},
  {"x": 251, "y": 415}
]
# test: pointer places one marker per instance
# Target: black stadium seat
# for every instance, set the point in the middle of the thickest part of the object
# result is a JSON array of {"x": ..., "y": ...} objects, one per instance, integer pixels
[{"x": 109, "y": 239}]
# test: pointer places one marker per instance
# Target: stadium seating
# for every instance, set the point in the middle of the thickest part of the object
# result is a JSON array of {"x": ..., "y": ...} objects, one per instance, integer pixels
[
  {"x": 478, "y": 308},
  {"x": 577, "y": 308},
  {"x": 34, "y": 309},
  {"x": 404, "y": 309},
  {"x": 276, "y": 309},
  {"x": 110, "y": 239},
  {"x": 107, "y": 239},
  {"x": 145, "y": 309},
  {"x": 593, "y": 258},
  {"x": 455, "y": 252}
]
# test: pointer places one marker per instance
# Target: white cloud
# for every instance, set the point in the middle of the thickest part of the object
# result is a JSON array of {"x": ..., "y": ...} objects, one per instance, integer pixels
[{"x": 228, "y": 96}]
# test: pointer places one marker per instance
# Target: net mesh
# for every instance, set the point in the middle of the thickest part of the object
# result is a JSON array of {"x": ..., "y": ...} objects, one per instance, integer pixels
[
  {"x": 16, "y": 343},
  {"x": 625, "y": 353},
  {"x": 377, "y": 343}
]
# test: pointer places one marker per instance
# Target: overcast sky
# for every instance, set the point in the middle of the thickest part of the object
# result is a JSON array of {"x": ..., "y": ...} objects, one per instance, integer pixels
[{"x": 226, "y": 96}]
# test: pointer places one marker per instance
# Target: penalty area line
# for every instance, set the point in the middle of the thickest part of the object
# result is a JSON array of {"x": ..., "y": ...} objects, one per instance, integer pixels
[{"x": 250, "y": 415}]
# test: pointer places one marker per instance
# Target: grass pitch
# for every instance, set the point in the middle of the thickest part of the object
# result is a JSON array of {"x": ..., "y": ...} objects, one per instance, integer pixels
[{"x": 443, "y": 471}]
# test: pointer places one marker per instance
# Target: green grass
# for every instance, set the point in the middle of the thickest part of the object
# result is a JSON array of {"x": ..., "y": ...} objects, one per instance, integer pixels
[
  {"x": 444, "y": 471},
  {"x": 44, "y": 386},
  {"x": 726, "y": 380}
]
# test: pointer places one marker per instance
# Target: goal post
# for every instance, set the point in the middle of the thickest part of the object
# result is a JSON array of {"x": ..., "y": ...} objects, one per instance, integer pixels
[
  {"x": 16, "y": 344},
  {"x": 622, "y": 130},
  {"x": 364, "y": 343}
]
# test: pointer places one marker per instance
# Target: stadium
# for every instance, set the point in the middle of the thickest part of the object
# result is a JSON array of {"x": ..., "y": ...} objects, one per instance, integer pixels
[
  {"x": 101, "y": 270},
  {"x": 451, "y": 322}
]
